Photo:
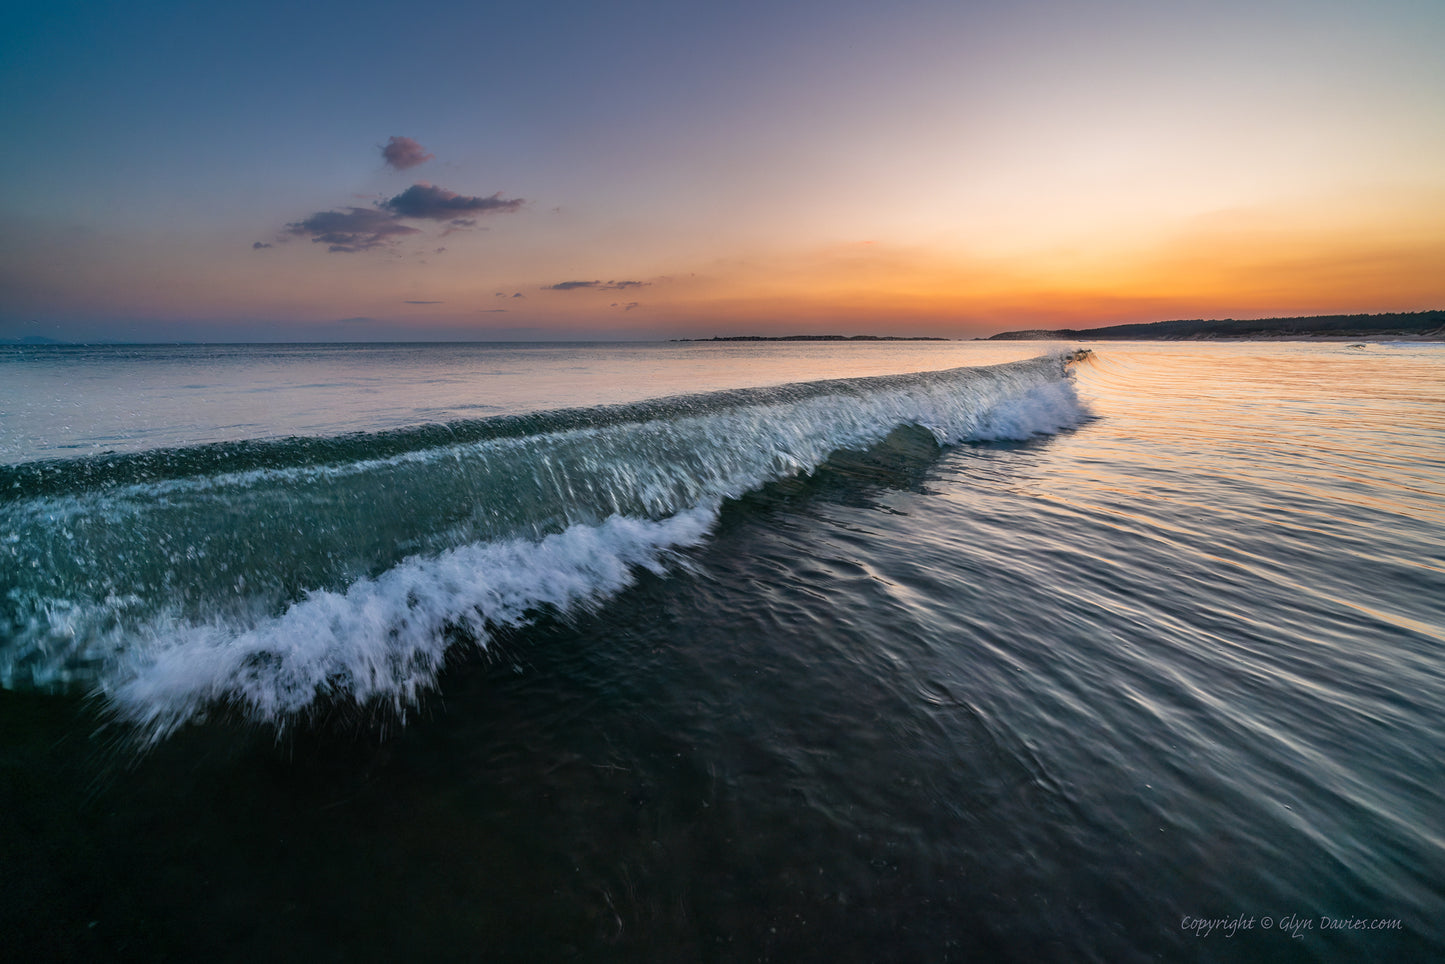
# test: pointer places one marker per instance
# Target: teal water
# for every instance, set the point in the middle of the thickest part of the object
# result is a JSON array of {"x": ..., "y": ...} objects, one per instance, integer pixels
[
  {"x": 80, "y": 400},
  {"x": 1027, "y": 662}
]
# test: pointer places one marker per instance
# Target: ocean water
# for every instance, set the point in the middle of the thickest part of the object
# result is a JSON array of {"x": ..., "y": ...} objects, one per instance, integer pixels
[{"x": 695, "y": 651}]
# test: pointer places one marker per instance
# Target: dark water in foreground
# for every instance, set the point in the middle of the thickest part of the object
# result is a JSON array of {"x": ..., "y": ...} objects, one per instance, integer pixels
[{"x": 1050, "y": 699}]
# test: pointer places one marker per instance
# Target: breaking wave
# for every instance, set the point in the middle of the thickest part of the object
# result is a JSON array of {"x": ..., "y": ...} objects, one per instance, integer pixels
[{"x": 268, "y": 576}]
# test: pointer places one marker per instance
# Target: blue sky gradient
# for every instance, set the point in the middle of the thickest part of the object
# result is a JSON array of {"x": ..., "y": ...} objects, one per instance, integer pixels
[{"x": 940, "y": 168}]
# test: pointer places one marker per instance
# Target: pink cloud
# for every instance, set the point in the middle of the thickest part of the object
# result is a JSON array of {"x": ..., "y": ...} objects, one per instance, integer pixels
[{"x": 403, "y": 152}]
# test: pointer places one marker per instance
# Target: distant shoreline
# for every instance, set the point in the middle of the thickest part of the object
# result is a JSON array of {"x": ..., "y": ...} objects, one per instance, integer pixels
[
  {"x": 816, "y": 338},
  {"x": 1411, "y": 326}
]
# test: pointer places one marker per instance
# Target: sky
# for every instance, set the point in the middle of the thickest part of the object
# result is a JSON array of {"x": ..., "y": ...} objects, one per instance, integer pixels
[{"x": 635, "y": 170}]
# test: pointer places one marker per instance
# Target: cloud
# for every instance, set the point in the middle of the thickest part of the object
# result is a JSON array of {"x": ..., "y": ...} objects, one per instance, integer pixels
[
  {"x": 431, "y": 203},
  {"x": 423, "y": 302},
  {"x": 626, "y": 306},
  {"x": 494, "y": 311},
  {"x": 362, "y": 229},
  {"x": 258, "y": 245},
  {"x": 459, "y": 224},
  {"x": 597, "y": 285},
  {"x": 352, "y": 230},
  {"x": 403, "y": 152}
]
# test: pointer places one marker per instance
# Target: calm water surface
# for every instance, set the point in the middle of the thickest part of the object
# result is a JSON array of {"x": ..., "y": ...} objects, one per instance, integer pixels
[{"x": 67, "y": 401}]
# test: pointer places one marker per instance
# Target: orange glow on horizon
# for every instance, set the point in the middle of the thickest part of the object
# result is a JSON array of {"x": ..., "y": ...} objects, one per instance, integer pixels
[{"x": 1381, "y": 254}]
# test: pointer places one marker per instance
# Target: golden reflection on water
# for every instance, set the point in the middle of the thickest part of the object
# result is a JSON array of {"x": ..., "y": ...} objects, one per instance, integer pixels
[{"x": 1288, "y": 446}]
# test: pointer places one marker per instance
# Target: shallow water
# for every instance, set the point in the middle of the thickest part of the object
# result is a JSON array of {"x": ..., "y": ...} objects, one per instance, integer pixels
[
  {"x": 78, "y": 400},
  {"x": 1054, "y": 699}
]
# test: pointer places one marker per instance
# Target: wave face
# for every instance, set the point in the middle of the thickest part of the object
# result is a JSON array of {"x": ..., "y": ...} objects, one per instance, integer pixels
[{"x": 266, "y": 576}]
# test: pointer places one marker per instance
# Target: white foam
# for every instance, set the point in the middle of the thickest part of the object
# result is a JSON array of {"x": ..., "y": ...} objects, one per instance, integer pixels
[
  {"x": 634, "y": 493},
  {"x": 1046, "y": 410},
  {"x": 384, "y": 638}
]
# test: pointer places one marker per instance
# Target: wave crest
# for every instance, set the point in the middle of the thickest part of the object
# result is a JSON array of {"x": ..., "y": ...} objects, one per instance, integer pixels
[{"x": 269, "y": 586}]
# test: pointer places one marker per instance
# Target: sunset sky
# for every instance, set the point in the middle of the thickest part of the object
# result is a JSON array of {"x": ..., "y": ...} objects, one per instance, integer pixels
[{"x": 543, "y": 170}]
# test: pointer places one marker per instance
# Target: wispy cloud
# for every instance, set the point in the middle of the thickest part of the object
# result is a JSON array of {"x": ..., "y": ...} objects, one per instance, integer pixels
[
  {"x": 362, "y": 229},
  {"x": 403, "y": 152},
  {"x": 258, "y": 245},
  {"x": 432, "y": 203},
  {"x": 423, "y": 302},
  {"x": 596, "y": 285},
  {"x": 352, "y": 230}
]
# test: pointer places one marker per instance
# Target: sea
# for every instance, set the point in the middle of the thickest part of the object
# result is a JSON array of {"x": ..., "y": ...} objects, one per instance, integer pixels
[{"x": 723, "y": 651}]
